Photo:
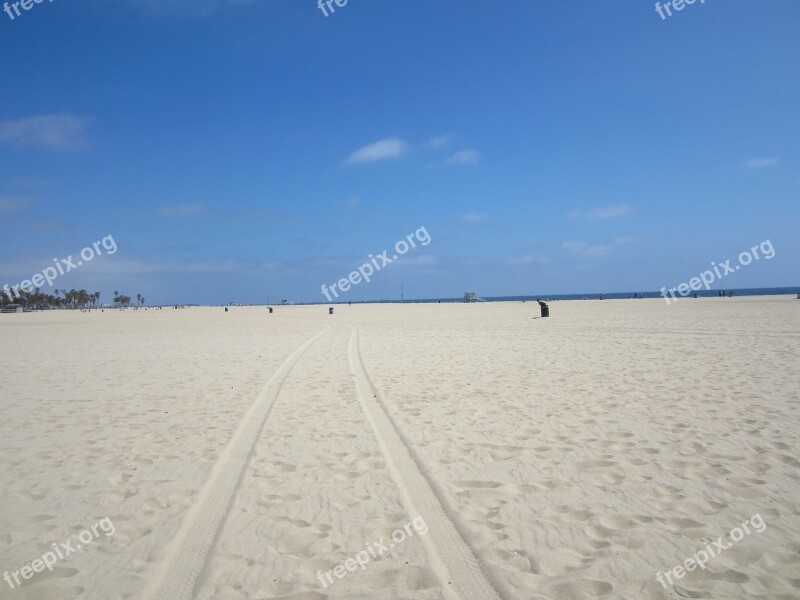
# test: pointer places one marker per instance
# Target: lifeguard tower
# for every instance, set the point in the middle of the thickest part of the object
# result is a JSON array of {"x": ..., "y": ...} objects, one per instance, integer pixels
[{"x": 470, "y": 297}]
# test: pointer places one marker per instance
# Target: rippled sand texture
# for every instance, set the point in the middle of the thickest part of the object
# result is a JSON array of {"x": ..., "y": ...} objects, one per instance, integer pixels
[{"x": 239, "y": 454}]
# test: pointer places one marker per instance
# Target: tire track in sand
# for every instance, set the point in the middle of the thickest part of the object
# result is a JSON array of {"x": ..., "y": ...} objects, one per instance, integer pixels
[
  {"x": 462, "y": 575},
  {"x": 187, "y": 557}
]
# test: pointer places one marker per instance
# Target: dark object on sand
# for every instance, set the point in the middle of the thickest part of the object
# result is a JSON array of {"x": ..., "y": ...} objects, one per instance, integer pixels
[
  {"x": 226, "y": 309},
  {"x": 545, "y": 309},
  {"x": 270, "y": 309},
  {"x": 330, "y": 310}
]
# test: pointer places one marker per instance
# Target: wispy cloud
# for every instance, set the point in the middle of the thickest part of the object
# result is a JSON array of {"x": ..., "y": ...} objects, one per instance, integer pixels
[
  {"x": 25, "y": 183},
  {"x": 9, "y": 204},
  {"x": 124, "y": 267},
  {"x": 762, "y": 163},
  {"x": 422, "y": 260},
  {"x": 381, "y": 150},
  {"x": 586, "y": 249},
  {"x": 181, "y": 210},
  {"x": 474, "y": 218},
  {"x": 33, "y": 224},
  {"x": 528, "y": 259},
  {"x": 350, "y": 202},
  {"x": 440, "y": 141},
  {"x": 51, "y": 132},
  {"x": 614, "y": 211},
  {"x": 464, "y": 157}
]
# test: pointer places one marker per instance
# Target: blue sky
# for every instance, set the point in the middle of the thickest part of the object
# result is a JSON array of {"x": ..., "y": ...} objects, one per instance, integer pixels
[{"x": 245, "y": 150}]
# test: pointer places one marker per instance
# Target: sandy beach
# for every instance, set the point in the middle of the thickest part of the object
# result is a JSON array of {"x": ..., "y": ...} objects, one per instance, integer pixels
[{"x": 243, "y": 455}]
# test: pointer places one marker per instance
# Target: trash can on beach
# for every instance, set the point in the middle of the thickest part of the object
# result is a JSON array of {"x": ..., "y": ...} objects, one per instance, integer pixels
[
  {"x": 270, "y": 310},
  {"x": 545, "y": 309},
  {"x": 330, "y": 310}
]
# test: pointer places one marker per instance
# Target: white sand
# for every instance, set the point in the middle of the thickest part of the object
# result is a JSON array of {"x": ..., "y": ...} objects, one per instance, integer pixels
[{"x": 240, "y": 453}]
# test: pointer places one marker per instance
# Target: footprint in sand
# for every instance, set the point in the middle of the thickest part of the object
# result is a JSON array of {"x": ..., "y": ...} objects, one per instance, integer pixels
[
  {"x": 119, "y": 478},
  {"x": 616, "y": 522},
  {"x": 559, "y": 562},
  {"x": 582, "y": 588},
  {"x": 299, "y": 523},
  {"x": 31, "y": 495},
  {"x": 729, "y": 576},
  {"x": 594, "y": 464},
  {"x": 282, "y": 467},
  {"x": 607, "y": 480},
  {"x": 304, "y": 544},
  {"x": 51, "y": 593},
  {"x": 518, "y": 559},
  {"x": 388, "y": 519},
  {"x": 476, "y": 485},
  {"x": 489, "y": 532},
  {"x": 571, "y": 514},
  {"x": 681, "y": 524},
  {"x": 56, "y": 573}
]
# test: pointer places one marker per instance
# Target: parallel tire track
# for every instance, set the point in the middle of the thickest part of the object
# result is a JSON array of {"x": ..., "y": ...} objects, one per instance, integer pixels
[
  {"x": 462, "y": 575},
  {"x": 190, "y": 549}
]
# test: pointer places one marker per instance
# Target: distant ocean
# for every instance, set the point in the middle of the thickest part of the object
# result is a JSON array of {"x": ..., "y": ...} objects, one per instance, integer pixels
[{"x": 616, "y": 296}]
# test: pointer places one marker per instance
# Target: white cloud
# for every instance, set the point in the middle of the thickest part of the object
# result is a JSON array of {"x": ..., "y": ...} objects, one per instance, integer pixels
[
  {"x": 474, "y": 218},
  {"x": 585, "y": 249},
  {"x": 380, "y": 150},
  {"x": 35, "y": 224},
  {"x": 475, "y": 262},
  {"x": 613, "y": 211},
  {"x": 440, "y": 141},
  {"x": 121, "y": 266},
  {"x": 51, "y": 132},
  {"x": 464, "y": 157},
  {"x": 762, "y": 163},
  {"x": 182, "y": 210},
  {"x": 528, "y": 259}
]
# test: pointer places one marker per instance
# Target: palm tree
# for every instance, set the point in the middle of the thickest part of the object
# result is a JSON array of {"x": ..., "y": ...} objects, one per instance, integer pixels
[
  {"x": 121, "y": 300},
  {"x": 67, "y": 298}
]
